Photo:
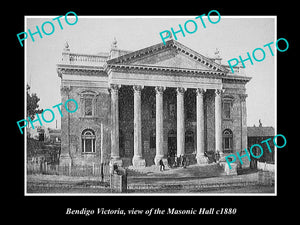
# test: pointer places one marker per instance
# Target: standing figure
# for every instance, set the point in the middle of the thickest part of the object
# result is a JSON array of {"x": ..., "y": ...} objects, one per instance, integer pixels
[
  {"x": 161, "y": 165},
  {"x": 217, "y": 156},
  {"x": 179, "y": 161},
  {"x": 183, "y": 162}
]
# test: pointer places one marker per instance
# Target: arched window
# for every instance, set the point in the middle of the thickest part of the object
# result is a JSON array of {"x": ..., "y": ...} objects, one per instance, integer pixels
[
  {"x": 189, "y": 142},
  {"x": 88, "y": 141},
  {"x": 172, "y": 143},
  {"x": 227, "y": 140}
]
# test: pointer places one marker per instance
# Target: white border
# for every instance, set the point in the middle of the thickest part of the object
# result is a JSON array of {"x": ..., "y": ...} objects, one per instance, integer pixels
[{"x": 148, "y": 194}]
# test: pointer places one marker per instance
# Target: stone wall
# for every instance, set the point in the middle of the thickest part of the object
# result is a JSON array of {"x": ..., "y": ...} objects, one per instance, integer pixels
[{"x": 73, "y": 124}]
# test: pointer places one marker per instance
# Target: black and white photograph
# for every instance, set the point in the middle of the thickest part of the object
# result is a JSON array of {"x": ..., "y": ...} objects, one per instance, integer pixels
[
  {"x": 153, "y": 115},
  {"x": 155, "y": 110}
]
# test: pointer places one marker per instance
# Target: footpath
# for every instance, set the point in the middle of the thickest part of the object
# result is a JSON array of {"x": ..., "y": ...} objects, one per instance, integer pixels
[{"x": 193, "y": 178}]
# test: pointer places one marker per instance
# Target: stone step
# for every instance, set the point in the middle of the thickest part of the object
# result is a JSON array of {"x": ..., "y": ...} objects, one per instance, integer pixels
[{"x": 209, "y": 170}]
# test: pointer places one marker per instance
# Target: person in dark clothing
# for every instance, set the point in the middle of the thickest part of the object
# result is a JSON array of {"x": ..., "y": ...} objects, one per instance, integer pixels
[
  {"x": 179, "y": 161},
  {"x": 217, "y": 156},
  {"x": 183, "y": 161},
  {"x": 161, "y": 165},
  {"x": 115, "y": 169}
]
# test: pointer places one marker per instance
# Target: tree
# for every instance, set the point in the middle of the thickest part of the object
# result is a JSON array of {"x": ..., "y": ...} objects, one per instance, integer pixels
[{"x": 32, "y": 104}]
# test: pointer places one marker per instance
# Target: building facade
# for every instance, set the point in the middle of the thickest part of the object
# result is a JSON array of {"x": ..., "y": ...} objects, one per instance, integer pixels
[
  {"x": 256, "y": 135},
  {"x": 159, "y": 102}
]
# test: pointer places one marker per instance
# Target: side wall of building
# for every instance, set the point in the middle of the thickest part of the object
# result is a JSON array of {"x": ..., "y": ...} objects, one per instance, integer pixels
[
  {"x": 74, "y": 124},
  {"x": 235, "y": 93}
]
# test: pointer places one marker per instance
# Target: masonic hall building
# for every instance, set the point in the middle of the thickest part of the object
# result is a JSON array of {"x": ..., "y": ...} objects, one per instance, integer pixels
[{"x": 162, "y": 101}]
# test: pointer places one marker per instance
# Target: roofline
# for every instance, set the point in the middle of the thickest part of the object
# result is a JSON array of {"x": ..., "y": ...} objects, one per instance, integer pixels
[{"x": 170, "y": 43}]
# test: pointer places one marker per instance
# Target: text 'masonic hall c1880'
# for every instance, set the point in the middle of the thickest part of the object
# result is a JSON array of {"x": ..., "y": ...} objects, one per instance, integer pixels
[{"x": 137, "y": 107}]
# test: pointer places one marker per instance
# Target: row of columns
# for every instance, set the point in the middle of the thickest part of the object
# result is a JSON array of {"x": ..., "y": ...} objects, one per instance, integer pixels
[{"x": 137, "y": 158}]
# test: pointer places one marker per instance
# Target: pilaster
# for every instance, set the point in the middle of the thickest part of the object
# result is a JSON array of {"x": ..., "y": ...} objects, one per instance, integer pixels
[
  {"x": 65, "y": 156},
  {"x": 218, "y": 122}
]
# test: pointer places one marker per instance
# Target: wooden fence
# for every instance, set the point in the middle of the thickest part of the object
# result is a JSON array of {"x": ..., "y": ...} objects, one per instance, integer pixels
[
  {"x": 266, "y": 166},
  {"x": 94, "y": 170}
]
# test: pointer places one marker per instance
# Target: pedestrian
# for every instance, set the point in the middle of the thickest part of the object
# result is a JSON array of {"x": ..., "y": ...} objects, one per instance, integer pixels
[
  {"x": 161, "y": 165},
  {"x": 187, "y": 161},
  {"x": 217, "y": 156},
  {"x": 115, "y": 168},
  {"x": 183, "y": 162},
  {"x": 180, "y": 161}
]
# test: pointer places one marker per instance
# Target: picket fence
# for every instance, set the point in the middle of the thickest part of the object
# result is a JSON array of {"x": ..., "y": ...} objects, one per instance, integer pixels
[{"x": 95, "y": 170}]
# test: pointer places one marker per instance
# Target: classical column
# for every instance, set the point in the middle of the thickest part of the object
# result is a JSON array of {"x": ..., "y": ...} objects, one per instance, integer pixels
[
  {"x": 65, "y": 156},
  {"x": 114, "y": 91},
  {"x": 201, "y": 158},
  {"x": 159, "y": 125},
  {"x": 218, "y": 122},
  {"x": 137, "y": 159},
  {"x": 180, "y": 121}
]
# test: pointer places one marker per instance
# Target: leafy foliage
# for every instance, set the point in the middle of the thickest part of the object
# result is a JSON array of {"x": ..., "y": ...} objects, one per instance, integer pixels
[{"x": 32, "y": 104}]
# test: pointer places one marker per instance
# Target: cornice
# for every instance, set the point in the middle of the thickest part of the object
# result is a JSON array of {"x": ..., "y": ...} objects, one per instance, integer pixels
[
  {"x": 235, "y": 79},
  {"x": 80, "y": 70},
  {"x": 162, "y": 70},
  {"x": 150, "y": 69}
]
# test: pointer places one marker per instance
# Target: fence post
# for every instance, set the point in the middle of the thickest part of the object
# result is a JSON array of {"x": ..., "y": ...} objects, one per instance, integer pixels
[
  {"x": 69, "y": 169},
  {"x": 41, "y": 167},
  {"x": 66, "y": 169},
  {"x": 93, "y": 173},
  {"x": 101, "y": 171},
  {"x": 56, "y": 170},
  {"x": 46, "y": 167}
]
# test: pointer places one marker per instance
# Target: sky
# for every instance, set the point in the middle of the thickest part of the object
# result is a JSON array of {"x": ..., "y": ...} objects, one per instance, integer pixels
[{"x": 233, "y": 36}]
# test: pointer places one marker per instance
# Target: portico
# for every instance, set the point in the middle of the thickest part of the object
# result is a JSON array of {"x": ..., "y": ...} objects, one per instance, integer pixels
[
  {"x": 124, "y": 71},
  {"x": 138, "y": 159}
]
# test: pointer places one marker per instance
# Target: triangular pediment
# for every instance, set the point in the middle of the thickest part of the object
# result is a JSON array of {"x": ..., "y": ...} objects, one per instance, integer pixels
[
  {"x": 170, "y": 58},
  {"x": 171, "y": 55}
]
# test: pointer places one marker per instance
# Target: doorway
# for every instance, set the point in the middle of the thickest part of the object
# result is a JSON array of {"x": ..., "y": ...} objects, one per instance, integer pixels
[{"x": 172, "y": 147}]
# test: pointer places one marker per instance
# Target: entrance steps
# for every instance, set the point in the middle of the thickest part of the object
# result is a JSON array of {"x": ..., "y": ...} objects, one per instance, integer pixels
[{"x": 191, "y": 171}]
